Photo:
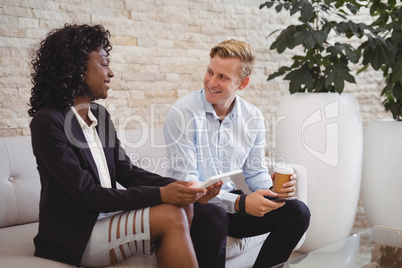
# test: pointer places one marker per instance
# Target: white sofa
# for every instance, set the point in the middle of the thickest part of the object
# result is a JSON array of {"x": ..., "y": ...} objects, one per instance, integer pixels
[{"x": 19, "y": 201}]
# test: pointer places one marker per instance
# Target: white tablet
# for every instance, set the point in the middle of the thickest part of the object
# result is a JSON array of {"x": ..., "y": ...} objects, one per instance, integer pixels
[{"x": 225, "y": 177}]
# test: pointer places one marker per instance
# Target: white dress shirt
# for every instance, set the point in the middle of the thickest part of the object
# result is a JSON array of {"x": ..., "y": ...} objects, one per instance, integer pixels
[{"x": 95, "y": 145}]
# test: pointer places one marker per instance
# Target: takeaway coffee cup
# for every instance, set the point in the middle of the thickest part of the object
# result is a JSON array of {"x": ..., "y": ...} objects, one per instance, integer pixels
[{"x": 282, "y": 175}]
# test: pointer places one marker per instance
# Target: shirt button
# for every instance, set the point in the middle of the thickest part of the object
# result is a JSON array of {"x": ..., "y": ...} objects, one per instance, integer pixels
[{"x": 11, "y": 179}]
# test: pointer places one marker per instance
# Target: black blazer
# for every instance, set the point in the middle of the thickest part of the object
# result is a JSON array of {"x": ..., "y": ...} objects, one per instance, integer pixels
[{"x": 71, "y": 194}]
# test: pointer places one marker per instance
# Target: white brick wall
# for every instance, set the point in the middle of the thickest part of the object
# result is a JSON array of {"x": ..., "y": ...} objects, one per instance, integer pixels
[{"x": 160, "y": 52}]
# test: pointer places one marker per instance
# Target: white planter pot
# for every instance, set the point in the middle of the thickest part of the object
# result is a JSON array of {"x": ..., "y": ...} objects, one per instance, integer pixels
[
  {"x": 323, "y": 132},
  {"x": 382, "y": 173}
]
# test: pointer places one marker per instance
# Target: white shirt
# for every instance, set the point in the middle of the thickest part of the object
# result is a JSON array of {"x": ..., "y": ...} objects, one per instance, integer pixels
[{"x": 95, "y": 145}]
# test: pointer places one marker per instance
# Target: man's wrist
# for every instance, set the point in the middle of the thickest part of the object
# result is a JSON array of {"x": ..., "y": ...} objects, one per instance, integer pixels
[
  {"x": 242, "y": 204},
  {"x": 236, "y": 204}
]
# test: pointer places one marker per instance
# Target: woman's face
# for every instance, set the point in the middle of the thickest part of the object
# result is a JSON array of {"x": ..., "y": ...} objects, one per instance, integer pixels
[{"x": 98, "y": 73}]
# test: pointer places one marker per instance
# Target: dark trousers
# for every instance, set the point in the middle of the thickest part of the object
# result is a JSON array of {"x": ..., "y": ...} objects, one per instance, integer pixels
[{"x": 211, "y": 224}]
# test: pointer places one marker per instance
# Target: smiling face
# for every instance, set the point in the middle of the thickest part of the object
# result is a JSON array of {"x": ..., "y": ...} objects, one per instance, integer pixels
[
  {"x": 221, "y": 82},
  {"x": 98, "y": 73}
]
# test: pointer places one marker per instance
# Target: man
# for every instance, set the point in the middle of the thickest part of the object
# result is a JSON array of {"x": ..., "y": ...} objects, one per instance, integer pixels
[{"x": 213, "y": 131}]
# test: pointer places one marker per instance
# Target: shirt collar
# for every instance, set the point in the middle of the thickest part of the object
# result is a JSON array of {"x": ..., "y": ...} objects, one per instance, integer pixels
[
  {"x": 94, "y": 121},
  {"x": 210, "y": 109}
]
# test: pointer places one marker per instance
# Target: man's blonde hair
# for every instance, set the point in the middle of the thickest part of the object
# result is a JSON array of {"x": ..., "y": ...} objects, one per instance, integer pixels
[{"x": 236, "y": 49}]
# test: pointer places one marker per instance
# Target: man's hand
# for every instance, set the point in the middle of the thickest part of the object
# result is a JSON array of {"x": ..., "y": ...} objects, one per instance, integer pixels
[
  {"x": 212, "y": 191},
  {"x": 288, "y": 188},
  {"x": 258, "y": 205},
  {"x": 181, "y": 193}
]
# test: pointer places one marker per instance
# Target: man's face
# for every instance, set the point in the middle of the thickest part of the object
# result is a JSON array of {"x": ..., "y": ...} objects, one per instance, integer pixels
[{"x": 221, "y": 81}]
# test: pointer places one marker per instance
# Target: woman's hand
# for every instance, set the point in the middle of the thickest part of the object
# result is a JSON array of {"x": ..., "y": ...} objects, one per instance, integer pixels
[{"x": 181, "y": 193}]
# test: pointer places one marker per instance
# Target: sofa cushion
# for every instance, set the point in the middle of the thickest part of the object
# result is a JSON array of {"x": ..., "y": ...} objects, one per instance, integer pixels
[
  {"x": 18, "y": 241},
  {"x": 31, "y": 262},
  {"x": 19, "y": 182},
  {"x": 235, "y": 246}
]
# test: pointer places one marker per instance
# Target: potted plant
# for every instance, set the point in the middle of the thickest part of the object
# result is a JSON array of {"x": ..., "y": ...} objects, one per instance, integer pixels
[
  {"x": 323, "y": 129},
  {"x": 383, "y": 51},
  {"x": 383, "y": 138}
]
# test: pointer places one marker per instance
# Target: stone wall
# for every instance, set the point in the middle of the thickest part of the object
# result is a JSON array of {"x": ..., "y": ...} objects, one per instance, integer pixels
[{"x": 160, "y": 53}]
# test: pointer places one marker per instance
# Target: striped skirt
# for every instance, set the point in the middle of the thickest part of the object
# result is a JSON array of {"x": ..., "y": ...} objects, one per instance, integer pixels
[{"x": 118, "y": 236}]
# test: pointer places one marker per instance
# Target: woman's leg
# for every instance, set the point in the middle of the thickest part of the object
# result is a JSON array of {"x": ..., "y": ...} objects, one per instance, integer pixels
[
  {"x": 190, "y": 213},
  {"x": 122, "y": 234},
  {"x": 170, "y": 225}
]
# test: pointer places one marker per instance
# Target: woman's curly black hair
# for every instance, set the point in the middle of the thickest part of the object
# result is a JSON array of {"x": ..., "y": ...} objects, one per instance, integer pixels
[{"x": 60, "y": 63}]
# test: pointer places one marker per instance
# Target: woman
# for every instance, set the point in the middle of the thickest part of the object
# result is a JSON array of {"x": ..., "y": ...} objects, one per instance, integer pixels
[{"x": 84, "y": 219}]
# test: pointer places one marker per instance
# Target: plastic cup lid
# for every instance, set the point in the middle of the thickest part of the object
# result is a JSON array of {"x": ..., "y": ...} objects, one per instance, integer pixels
[{"x": 283, "y": 169}]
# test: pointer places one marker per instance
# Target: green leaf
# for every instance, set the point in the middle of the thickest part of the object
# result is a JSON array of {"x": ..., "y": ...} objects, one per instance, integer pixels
[
  {"x": 319, "y": 84},
  {"x": 387, "y": 91},
  {"x": 352, "y": 8},
  {"x": 355, "y": 28},
  {"x": 294, "y": 87},
  {"x": 374, "y": 7},
  {"x": 396, "y": 37},
  {"x": 295, "y": 74},
  {"x": 395, "y": 109},
  {"x": 307, "y": 12},
  {"x": 319, "y": 37},
  {"x": 337, "y": 74},
  {"x": 308, "y": 80},
  {"x": 392, "y": 3},
  {"x": 280, "y": 72},
  {"x": 341, "y": 15},
  {"x": 397, "y": 70},
  {"x": 327, "y": 2},
  {"x": 278, "y": 8},
  {"x": 296, "y": 78},
  {"x": 397, "y": 91},
  {"x": 368, "y": 56},
  {"x": 284, "y": 40},
  {"x": 330, "y": 78},
  {"x": 339, "y": 84},
  {"x": 344, "y": 72},
  {"x": 351, "y": 53},
  {"x": 273, "y": 32},
  {"x": 310, "y": 63},
  {"x": 388, "y": 52},
  {"x": 338, "y": 49},
  {"x": 295, "y": 8},
  {"x": 380, "y": 56},
  {"x": 370, "y": 41},
  {"x": 304, "y": 37},
  {"x": 362, "y": 69},
  {"x": 267, "y": 5}
]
